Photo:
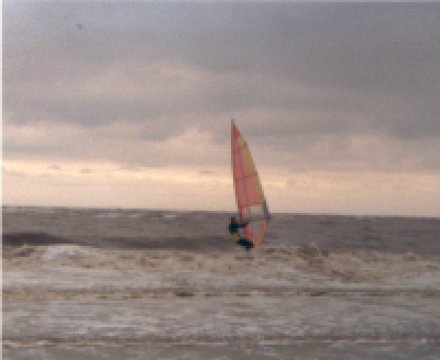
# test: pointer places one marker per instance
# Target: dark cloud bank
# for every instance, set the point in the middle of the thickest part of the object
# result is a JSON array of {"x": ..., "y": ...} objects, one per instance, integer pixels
[{"x": 293, "y": 74}]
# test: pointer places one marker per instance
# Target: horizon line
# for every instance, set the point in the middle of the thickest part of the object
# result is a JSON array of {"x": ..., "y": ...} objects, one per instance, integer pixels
[{"x": 84, "y": 207}]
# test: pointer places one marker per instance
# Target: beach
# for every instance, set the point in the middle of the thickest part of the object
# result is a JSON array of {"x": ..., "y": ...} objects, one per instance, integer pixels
[{"x": 152, "y": 284}]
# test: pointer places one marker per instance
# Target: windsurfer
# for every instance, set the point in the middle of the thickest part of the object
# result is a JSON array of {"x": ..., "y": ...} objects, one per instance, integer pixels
[{"x": 234, "y": 227}]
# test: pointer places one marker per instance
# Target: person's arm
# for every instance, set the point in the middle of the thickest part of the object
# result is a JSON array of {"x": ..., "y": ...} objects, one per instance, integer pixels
[{"x": 243, "y": 225}]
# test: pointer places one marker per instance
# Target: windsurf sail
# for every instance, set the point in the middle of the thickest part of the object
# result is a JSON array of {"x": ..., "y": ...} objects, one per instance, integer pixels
[{"x": 249, "y": 194}]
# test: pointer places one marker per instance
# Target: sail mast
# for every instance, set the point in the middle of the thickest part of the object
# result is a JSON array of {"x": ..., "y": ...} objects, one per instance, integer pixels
[{"x": 240, "y": 159}]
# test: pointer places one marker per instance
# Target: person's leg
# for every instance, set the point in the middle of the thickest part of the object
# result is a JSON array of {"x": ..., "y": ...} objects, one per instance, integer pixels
[
  {"x": 249, "y": 244},
  {"x": 245, "y": 243}
]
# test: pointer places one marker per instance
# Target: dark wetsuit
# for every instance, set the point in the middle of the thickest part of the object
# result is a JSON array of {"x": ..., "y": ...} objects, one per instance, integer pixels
[{"x": 233, "y": 230}]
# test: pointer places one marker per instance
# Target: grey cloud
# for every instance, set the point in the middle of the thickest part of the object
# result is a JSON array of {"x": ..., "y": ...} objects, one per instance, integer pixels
[
  {"x": 14, "y": 174},
  {"x": 313, "y": 70},
  {"x": 54, "y": 167}
]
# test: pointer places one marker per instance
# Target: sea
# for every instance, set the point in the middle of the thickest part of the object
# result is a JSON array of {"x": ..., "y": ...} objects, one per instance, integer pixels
[{"x": 82, "y": 283}]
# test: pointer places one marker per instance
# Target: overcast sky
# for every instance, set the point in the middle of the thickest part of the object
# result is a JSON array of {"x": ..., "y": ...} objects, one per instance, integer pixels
[{"x": 129, "y": 104}]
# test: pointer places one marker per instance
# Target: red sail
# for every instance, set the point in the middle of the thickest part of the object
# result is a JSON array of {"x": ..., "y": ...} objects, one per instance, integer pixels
[{"x": 249, "y": 194}]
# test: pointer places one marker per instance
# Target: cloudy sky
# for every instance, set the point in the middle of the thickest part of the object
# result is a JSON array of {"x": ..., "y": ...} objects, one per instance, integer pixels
[{"x": 129, "y": 104}]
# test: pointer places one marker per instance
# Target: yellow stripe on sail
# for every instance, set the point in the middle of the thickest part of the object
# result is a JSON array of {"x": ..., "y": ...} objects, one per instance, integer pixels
[{"x": 252, "y": 169}]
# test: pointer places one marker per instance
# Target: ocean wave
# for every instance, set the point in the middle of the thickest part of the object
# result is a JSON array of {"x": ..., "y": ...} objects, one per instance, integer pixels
[
  {"x": 169, "y": 216},
  {"x": 279, "y": 263},
  {"x": 110, "y": 215}
]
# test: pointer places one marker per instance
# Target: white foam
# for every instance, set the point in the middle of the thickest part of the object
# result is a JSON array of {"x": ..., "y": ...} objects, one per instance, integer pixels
[
  {"x": 110, "y": 215},
  {"x": 169, "y": 216},
  {"x": 55, "y": 252}
]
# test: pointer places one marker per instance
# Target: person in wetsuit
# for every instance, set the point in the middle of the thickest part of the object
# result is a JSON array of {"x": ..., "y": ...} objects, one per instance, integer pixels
[{"x": 234, "y": 227}]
